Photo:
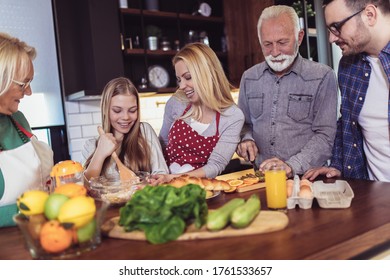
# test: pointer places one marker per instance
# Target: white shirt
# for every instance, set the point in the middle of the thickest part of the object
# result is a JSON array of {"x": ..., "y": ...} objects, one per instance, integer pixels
[{"x": 374, "y": 123}]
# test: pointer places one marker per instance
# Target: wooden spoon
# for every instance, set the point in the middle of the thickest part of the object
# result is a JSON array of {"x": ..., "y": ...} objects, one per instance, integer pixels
[{"x": 124, "y": 172}]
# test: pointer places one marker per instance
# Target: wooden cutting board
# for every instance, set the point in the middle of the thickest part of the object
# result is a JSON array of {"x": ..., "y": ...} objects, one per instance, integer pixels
[
  {"x": 239, "y": 174},
  {"x": 251, "y": 187},
  {"x": 266, "y": 221}
]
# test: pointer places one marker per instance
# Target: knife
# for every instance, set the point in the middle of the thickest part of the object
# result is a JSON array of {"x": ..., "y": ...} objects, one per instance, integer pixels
[{"x": 253, "y": 162}]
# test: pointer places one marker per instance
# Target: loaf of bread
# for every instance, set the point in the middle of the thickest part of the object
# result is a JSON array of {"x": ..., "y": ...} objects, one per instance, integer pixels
[{"x": 205, "y": 183}]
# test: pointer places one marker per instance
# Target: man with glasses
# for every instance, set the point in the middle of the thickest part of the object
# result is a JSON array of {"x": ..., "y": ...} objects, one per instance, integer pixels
[
  {"x": 361, "y": 29},
  {"x": 289, "y": 102}
]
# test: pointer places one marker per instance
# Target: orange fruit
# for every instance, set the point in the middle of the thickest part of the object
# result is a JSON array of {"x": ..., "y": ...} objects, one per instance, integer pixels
[
  {"x": 251, "y": 181},
  {"x": 54, "y": 237},
  {"x": 231, "y": 189},
  {"x": 71, "y": 190},
  {"x": 235, "y": 182}
]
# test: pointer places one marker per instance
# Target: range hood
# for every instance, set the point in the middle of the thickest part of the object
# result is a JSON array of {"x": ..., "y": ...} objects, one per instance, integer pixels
[{"x": 84, "y": 95}]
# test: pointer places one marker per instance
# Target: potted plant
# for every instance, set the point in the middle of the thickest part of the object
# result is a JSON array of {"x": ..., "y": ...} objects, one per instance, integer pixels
[{"x": 298, "y": 7}]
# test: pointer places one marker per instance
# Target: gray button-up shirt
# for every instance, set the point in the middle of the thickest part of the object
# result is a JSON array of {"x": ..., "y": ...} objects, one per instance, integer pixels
[{"x": 292, "y": 117}]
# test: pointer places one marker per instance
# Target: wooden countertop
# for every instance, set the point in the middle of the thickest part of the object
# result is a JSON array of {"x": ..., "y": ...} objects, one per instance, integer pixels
[{"x": 358, "y": 232}]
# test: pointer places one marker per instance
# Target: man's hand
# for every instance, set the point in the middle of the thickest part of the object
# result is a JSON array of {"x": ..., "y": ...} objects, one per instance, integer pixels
[
  {"x": 248, "y": 150},
  {"x": 265, "y": 165},
  {"x": 329, "y": 172}
]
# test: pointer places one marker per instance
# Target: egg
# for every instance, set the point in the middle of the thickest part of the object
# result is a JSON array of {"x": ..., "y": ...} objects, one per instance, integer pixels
[
  {"x": 290, "y": 186},
  {"x": 305, "y": 192}
]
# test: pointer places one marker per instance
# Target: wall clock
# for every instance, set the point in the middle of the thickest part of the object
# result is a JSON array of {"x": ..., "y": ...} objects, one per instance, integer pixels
[
  {"x": 158, "y": 76},
  {"x": 205, "y": 9}
]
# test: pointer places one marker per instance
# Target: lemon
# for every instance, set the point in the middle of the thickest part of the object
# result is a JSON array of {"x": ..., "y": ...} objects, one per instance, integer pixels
[
  {"x": 32, "y": 202},
  {"x": 78, "y": 210}
]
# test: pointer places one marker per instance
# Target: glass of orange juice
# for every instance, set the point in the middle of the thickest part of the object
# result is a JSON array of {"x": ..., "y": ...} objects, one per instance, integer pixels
[{"x": 276, "y": 187}]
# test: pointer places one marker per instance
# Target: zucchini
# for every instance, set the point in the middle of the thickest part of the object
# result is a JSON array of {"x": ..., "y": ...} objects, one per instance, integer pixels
[
  {"x": 218, "y": 219},
  {"x": 242, "y": 216}
]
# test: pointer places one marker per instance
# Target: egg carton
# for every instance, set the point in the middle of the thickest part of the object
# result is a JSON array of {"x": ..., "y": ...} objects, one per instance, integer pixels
[
  {"x": 295, "y": 199},
  {"x": 333, "y": 195}
]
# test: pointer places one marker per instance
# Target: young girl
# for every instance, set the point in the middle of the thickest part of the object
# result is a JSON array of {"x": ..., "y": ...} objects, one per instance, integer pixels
[
  {"x": 135, "y": 142},
  {"x": 202, "y": 124}
]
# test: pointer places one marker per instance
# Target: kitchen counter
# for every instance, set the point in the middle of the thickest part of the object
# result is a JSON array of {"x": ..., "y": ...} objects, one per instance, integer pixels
[{"x": 359, "y": 232}]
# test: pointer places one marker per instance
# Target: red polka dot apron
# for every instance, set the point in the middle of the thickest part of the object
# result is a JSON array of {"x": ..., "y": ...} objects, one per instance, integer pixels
[{"x": 186, "y": 146}]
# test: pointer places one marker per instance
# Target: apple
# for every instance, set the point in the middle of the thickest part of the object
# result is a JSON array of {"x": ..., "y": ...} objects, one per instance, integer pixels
[
  {"x": 53, "y": 205},
  {"x": 86, "y": 232}
]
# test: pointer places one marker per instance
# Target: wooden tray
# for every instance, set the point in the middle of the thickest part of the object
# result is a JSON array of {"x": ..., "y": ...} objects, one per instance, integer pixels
[{"x": 266, "y": 221}]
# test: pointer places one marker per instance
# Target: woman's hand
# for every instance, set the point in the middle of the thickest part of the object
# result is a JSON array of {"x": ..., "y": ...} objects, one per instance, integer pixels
[
  {"x": 158, "y": 179},
  {"x": 106, "y": 145},
  {"x": 329, "y": 172}
]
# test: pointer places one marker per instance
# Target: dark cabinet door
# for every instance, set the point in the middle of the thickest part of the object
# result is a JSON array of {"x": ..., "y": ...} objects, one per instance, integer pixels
[
  {"x": 88, "y": 38},
  {"x": 241, "y": 27}
]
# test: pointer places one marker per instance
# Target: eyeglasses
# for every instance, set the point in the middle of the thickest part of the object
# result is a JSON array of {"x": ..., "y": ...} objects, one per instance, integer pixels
[
  {"x": 335, "y": 27},
  {"x": 23, "y": 85}
]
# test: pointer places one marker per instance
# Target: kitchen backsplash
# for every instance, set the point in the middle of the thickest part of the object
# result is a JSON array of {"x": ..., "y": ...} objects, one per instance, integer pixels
[{"x": 83, "y": 117}]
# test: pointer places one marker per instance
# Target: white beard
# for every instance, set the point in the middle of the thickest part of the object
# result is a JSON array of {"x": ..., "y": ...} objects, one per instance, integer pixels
[{"x": 276, "y": 64}]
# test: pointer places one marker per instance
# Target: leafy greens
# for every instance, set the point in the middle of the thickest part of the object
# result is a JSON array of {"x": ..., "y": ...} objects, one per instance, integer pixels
[{"x": 163, "y": 212}]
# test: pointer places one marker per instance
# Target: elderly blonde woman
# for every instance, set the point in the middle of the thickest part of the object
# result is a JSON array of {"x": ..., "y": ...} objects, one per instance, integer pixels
[
  {"x": 22, "y": 165},
  {"x": 202, "y": 124}
]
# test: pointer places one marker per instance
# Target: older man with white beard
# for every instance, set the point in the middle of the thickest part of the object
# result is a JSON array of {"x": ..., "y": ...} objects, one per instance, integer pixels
[{"x": 289, "y": 103}]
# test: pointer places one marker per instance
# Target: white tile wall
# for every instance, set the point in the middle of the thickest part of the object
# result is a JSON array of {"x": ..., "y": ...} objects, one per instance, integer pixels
[{"x": 83, "y": 117}]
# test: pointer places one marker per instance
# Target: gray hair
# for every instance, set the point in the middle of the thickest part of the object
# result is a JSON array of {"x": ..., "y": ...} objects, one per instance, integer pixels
[
  {"x": 275, "y": 11},
  {"x": 15, "y": 55}
]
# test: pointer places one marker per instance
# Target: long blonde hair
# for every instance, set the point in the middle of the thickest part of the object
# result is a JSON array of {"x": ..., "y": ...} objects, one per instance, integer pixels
[
  {"x": 208, "y": 76},
  {"x": 135, "y": 151},
  {"x": 15, "y": 57}
]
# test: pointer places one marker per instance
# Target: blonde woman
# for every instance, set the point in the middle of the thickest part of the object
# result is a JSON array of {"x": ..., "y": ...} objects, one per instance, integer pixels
[
  {"x": 22, "y": 165},
  {"x": 202, "y": 124},
  {"x": 134, "y": 141}
]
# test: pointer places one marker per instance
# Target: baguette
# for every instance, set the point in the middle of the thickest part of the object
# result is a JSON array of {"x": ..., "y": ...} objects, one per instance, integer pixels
[{"x": 205, "y": 183}]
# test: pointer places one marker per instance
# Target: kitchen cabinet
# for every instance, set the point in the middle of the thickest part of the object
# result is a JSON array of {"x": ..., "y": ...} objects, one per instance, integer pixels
[
  {"x": 244, "y": 48},
  {"x": 98, "y": 40},
  {"x": 175, "y": 23},
  {"x": 88, "y": 40}
]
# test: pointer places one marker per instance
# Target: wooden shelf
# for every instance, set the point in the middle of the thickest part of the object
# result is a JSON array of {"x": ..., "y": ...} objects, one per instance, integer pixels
[
  {"x": 159, "y": 14},
  {"x": 201, "y": 18},
  {"x": 130, "y": 11},
  {"x": 167, "y": 90},
  {"x": 134, "y": 51},
  {"x": 182, "y": 16},
  {"x": 175, "y": 20},
  {"x": 161, "y": 52}
]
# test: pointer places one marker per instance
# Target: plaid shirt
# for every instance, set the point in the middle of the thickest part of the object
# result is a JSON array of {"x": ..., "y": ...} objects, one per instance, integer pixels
[{"x": 354, "y": 76}]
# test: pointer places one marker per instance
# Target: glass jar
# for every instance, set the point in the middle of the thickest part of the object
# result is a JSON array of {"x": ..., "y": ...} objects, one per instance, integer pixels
[{"x": 66, "y": 172}]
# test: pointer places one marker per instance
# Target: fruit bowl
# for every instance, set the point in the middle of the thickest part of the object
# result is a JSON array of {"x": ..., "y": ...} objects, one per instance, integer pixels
[
  {"x": 114, "y": 191},
  {"x": 52, "y": 239}
]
